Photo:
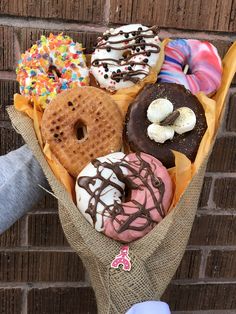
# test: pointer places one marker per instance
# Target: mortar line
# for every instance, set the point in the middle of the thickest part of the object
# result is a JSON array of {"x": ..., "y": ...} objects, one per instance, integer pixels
[
  {"x": 5, "y": 124},
  {"x": 205, "y": 312},
  {"x": 54, "y": 249},
  {"x": 221, "y": 174},
  {"x": 210, "y": 35},
  {"x": 211, "y": 247},
  {"x": 208, "y": 281},
  {"x": 68, "y": 249},
  {"x": 216, "y": 212},
  {"x": 17, "y": 50},
  {"x": 43, "y": 285},
  {"x": 210, "y": 201},
  {"x": 106, "y": 13},
  {"x": 203, "y": 263},
  {"x": 24, "y": 303},
  {"x": 32, "y": 22},
  {"x": 20, "y": 22},
  {"x": 24, "y": 232},
  {"x": 226, "y": 133},
  {"x": 47, "y": 211},
  {"x": 8, "y": 75}
]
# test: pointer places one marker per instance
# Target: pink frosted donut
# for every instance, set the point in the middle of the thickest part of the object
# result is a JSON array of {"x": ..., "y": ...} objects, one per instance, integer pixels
[
  {"x": 124, "y": 196},
  {"x": 205, "y": 68}
]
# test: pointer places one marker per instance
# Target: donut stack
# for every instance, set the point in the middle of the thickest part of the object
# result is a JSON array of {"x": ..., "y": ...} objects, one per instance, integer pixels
[{"x": 122, "y": 194}]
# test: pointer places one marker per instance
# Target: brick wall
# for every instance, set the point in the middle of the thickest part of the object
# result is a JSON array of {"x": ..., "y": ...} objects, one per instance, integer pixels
[{"x": 39, "y": 273}]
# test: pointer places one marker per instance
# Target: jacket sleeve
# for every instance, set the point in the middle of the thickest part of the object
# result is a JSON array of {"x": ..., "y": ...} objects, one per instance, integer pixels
[
  {"x": 150, "y": 307},
  {"x": 20, "y": 176}
]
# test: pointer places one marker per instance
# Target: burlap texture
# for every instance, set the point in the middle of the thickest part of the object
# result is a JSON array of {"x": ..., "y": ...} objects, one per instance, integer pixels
[{"x": 154, "y": 258}]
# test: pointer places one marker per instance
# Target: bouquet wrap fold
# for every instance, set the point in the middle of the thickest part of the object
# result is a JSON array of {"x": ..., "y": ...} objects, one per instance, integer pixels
[{"x": 154, "y": 257}]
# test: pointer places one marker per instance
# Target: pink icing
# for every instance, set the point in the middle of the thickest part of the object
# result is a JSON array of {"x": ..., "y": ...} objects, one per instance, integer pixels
[
  {"x": 122, "y": 259},
  {"x": 110, "y": 226},
  {"x": 204, "y": 64}
]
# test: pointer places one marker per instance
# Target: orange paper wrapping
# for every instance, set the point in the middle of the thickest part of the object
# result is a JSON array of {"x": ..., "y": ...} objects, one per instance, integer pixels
[
  {"x": 183, "y": 171},
  {"x": 125, "y": 96}
]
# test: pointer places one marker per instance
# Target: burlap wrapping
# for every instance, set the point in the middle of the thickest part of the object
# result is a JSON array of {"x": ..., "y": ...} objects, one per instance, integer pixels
[{"x": 154, "y": 258}]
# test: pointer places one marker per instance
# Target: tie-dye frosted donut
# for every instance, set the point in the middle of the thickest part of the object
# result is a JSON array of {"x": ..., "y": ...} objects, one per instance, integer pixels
[{"x": 205, "y": 67}]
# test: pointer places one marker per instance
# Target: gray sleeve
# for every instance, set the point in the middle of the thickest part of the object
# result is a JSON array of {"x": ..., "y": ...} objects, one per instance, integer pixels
[{"x": 20, "y": 175}]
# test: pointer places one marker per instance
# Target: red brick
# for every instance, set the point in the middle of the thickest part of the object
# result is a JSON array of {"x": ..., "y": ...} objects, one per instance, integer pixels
[
  {"x": 189, "y": 266},
  {"x": 189, "y": 14},
  {"x": 28, "y": 36},
  {"x": 45, "y": 230},
  {"x": 12, "y": 236},
  {"x": 48, "y": 202},
  {"x": 231, "y": 117},
  {"x": 224, "y": 193},
  {"x": 77, "y": 10},
  {"x": 37, "y": 266},
  {"x": 6, "y": 48},
  {"x": 9, "y": 139},
  {"x": 121, "y": 11},
  {"x": 10, "y": 301},
  {"x": 7, "y": 91},
  {"x": 221, "y": 45},
  {"x": 213, "y": 230},
  {"x": 221, "y": 264},
  {"x": 201, "y": 297},
  {"x": 223, "y": 158},
  {"x": 61, "y": 301},
  {"x": 232, "y": 21},
  {"x": 203, "y": 200}
]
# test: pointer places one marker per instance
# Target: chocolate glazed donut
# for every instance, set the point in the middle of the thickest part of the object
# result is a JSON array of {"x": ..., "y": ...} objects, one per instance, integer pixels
[{"x": 136, "y": 123}]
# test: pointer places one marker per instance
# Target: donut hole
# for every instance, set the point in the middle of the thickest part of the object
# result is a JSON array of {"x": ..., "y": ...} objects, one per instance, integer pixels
[
  {"x": 126, "y": 54},
  {"x": 81, "y": 131},
  {"x": 126, "y": 197},
  {"x": 53, "y": 72},
  {"x": 186, "y": 69}
]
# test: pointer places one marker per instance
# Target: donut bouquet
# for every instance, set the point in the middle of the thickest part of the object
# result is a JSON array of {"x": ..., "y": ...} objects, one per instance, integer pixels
[{"x": 123, "y": 137}]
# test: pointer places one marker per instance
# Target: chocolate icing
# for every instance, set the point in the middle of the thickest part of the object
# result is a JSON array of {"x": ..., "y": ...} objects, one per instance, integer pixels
[
  {"x": 138, "y": 168},
  {"x": 137, "y": 123},
  {"x": 140, "y": 43},
  {"x": 170, "y": 119}
]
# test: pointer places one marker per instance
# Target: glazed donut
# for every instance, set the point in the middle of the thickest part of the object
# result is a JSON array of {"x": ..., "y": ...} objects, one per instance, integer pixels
[
  {"x": 124, "y": 196},
  {"x": 125, "y": 55},
  {"x": 205, "y": 67},
  {"x": 165, "y": 117},
  {"x": 81, "y": 124},
  {"x": 50, "y": 66}
]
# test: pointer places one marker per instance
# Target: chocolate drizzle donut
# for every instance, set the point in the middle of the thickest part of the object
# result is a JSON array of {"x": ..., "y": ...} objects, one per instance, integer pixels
[
  {"x": 125, "y": 55},
  {"x": 124, "y": 196}
]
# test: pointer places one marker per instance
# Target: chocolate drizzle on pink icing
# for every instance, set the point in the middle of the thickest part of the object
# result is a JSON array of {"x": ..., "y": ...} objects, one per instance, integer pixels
[{"x": 138, "y": 168}]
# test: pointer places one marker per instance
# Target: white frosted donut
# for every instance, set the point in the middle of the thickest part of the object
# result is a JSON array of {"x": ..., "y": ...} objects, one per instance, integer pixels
[{"x": 125, "y": 55}]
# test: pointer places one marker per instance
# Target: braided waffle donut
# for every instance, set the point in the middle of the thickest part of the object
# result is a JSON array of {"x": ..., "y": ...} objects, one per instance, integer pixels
[
  {"x": 50, "y": 66},
  {"x": 202, "y": 61},
  {"x": 126, "y": 55},
  {"x": 124, "y": 196},
  {"x": 81, "y": 124}
]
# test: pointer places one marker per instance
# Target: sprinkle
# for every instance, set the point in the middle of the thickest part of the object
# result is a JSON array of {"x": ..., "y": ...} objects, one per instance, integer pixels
[{"x": 54, "y": 52}]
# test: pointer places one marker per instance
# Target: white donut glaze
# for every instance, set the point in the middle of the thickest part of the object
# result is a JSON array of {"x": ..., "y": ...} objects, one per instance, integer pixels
[
  {"x": 110, "y": 41},
  {"x": 110, "y": 194}
]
